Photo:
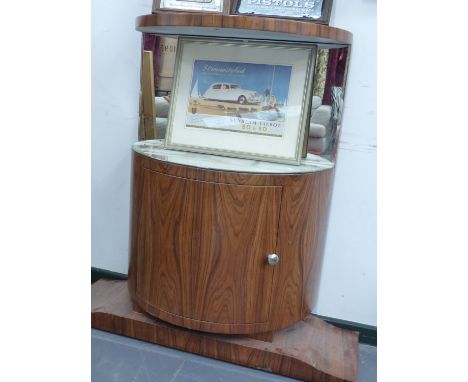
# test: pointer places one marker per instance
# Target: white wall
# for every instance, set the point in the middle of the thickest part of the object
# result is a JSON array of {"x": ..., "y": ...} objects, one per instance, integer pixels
[
  {"x": 348, "y": 284},
  {"x": 115, "y": 66},
  {"x": 348, "y": 288}
]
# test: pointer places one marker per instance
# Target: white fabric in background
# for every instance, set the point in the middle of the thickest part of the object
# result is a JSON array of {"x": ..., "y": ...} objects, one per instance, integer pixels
[
  {"x": 318, "y": 145},
  {"x": 316, "y": 102},
  {"x": 161, "y": 127},
  {"x": 317, "y": 131},
  {"x": 162, "y": 107},
  {"x": 322, "y": 115}
]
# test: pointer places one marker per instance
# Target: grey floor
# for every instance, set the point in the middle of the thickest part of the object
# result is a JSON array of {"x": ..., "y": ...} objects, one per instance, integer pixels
[{"x": 121, "y": 359}]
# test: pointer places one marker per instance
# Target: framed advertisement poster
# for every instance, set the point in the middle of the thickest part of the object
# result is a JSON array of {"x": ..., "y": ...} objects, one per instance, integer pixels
[
  {"x": 318, "y": 11},
  {"x": 241, "y": 99},
  {"x": 216, "y": 6}
]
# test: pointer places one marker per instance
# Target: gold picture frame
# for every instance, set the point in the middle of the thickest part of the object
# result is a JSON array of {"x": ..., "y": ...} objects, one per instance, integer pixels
[{"x": 245, "y": 99}]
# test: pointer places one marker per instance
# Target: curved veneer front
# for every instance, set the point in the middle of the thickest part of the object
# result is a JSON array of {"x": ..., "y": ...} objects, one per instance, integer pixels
[{"x": 200, "y": 240}]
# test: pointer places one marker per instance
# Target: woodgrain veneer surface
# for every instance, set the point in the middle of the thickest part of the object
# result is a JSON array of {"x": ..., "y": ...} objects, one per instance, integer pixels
[
  {"x": 202, "y": 248},
  {"x": 200, "y": 239},
  {"x": 191, "y": 23},
  {"x": 311, "y": 350}
]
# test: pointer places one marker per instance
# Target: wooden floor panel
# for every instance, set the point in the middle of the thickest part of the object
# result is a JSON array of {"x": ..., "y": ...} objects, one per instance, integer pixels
[{"x": 311, "y": 350}]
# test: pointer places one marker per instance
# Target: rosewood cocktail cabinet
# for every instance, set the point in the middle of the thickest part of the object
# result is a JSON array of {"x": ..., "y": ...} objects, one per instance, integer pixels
[{"x": 226, "y": 252}]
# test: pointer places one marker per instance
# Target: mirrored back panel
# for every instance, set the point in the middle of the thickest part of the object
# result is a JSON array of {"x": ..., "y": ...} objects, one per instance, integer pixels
[{"x": 327, "y": 102}]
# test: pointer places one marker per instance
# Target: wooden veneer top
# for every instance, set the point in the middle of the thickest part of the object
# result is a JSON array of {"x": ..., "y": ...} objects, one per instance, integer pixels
[{"x": 252, "y": 27}]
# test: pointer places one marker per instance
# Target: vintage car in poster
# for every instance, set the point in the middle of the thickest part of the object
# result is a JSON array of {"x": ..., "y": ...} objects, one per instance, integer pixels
[{"x": 232, "y": 92}]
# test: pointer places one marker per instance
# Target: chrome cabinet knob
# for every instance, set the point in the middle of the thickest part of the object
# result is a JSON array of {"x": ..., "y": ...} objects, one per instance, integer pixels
[{"x": 273, "y": 259}]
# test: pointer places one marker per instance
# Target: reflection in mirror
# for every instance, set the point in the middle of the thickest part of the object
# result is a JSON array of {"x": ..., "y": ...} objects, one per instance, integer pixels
[
  {"x": 327, "y": 101},
  {"x": 163, "y": 51}
]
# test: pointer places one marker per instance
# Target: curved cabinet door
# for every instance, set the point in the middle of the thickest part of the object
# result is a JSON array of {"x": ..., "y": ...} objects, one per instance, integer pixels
[{"x": 202, "y": 249}]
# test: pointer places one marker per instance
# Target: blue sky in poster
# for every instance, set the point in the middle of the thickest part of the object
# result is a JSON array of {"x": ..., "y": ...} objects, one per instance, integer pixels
[{"x": 256, "y": 77}]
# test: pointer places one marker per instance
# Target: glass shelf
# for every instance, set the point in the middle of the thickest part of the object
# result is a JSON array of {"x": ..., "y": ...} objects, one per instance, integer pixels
[{"x": 155, "y": 149}]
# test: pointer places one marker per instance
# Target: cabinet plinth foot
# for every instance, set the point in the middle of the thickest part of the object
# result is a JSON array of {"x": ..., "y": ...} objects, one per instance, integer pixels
[{"x": 311, "y": 350}]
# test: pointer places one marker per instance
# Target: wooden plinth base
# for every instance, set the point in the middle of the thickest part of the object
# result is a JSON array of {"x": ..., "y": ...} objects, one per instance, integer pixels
[{"x": 311, "y": 350}]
